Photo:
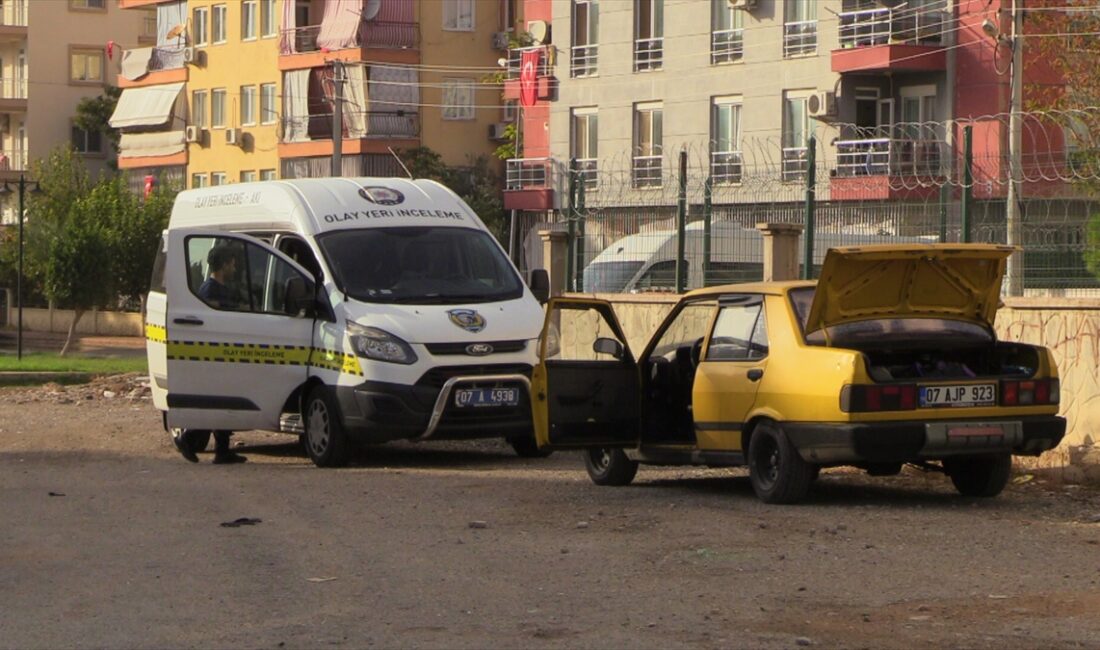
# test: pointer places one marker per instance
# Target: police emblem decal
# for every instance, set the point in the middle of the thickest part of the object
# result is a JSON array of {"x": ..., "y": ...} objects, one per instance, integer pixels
[
  {"x": 467, "y": 319},
  {"x": 382, "y": 195}
]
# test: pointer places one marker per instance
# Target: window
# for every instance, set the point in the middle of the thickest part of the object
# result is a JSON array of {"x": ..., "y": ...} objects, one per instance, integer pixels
[
  {"x": 88, "y": 5},
  {"x": 510, "y": 110},
  {"x": 87, "y": 141},
  {"x": 800, "y": 28},
  {"x": 248, "y": 176},
  {"x": 796, "y": 129},
  {"x": 86, "y": 65},
  {"x": 918, "y": 148},
  {"x": 649, "y": 32},
  {"x": 458, "y": 99},
  {"x": 267, "y": 175},
  {"x": 573, "y": 333},
  {"x": 726, "y": 33},
  {"x": 217, "y": 108},
  {"x": 739, "y": 333},
  {"x": 218, "y": 24},
  {"x": 661, "y": 276},
  {"x": 248, "y": 20},
  {"x": 268, "y": 111},
  {"x": 230, "y": 274},
  {"x": 268, "y": 25},
  {"x": 199, "y": 180},
  {"x": 198, "y": 108},
  {"x": 586, "y": 38},
  {"x": 218, "y": 178},
  {"x": 648, "y": 148},
  {"x": 686, "y": 329},
  {"x": 458, "y": 15},
  {"x": 725, "y": 138},
  {"x": 585, "y": 144},
  {"x": 248, "y": 105},
  {"x": 200, "y": 25}
]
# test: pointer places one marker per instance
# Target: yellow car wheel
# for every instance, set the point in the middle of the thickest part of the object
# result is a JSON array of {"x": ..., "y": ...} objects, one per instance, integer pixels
[
  {"x": 979, "y": 476},
  {"x": 776, "y": 470},
  {"x": 609, "y": 466}
]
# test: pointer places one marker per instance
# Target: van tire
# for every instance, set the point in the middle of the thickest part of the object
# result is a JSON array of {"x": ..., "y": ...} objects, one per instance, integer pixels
[
  {"x": 527, "y": 447},
  {"x": 326, "y": 440},
  {"x": 776, "y": 470},
  {"x": 609, "y": 466},
  {"x": 979, "y": 476}
]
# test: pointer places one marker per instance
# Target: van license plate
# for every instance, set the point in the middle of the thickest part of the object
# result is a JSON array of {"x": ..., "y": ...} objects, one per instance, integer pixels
[
  {"x": 478, "y": 397},
  {"x": 961, "y": 395}
]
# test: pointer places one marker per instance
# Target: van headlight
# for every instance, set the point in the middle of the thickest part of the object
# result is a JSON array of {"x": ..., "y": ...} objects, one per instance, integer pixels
[{"x": 380, "y": 345}]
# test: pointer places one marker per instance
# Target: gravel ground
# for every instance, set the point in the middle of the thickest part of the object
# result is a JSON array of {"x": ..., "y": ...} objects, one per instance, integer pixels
[{"x": 465, "y": 545}]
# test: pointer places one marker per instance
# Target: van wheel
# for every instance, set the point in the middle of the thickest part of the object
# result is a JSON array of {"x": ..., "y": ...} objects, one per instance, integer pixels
[
  {"x": 979, "y": 476},
  {"x": 326, "y": 440},
  {"x": 526, "y": 447},
  {"x": 609, "y": 466},
  {"x": 776, "y": 470}
]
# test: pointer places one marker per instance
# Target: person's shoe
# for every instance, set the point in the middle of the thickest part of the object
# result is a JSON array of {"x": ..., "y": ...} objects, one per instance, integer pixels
[
  {"x": 182, "y": 446},
  {"x": 229, "y": 458}
]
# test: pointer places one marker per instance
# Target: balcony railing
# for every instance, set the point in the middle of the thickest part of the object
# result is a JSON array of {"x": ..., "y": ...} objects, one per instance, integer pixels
[
  {"x": 647, "y": 171},
  {"x": 727, "y": 45},
  {"x": 13, "y": 160},
  {"x": 878, "y": 156},
  {"x": 14, "y": 14},
  {"x": 529, "y": 174},
  {"x": 588, "y": 172},
  {"x": 374, "y": 34},
  {"x": 13, "y": 88},
  {"x": 583, "y": 59},
  {"x": 795, "y": 163},
  {"x": 167, "y": 58},
  {"x": 377, "y": 124},
  {"x": 649, "y": 53},
  {"x": 515, "y": 61},
  {"x": 800, "y": 38},
  {"x": 726, "y": 166},
  {"x": 884, "y": 25}
]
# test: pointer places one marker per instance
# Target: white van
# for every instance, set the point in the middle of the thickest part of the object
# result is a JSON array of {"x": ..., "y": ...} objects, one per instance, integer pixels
[
  {"x": 353, "y": 310},
  {"x": 646, "y": 261}
]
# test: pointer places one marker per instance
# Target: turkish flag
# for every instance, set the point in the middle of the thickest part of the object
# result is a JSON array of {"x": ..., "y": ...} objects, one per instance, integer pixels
[{"x": 528, "y": 77}]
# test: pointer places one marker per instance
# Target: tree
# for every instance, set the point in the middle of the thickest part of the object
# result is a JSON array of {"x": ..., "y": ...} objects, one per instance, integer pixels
[
  {"x": 134, "y": 233},
  {"x": 93, "y": 114},
  {"x": 78, "y": 269}
]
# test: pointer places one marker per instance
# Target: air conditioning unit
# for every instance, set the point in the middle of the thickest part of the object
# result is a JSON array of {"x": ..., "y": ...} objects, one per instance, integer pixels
[
  {"x": 192, "y": 133},
  {"x": 194, "y": 56},
  {"x": 500, "y": 40},
  {"x": 233, "y": 137},
  {"x": 498, "y": 131},
  {"x": 822, "y": 104},
  {"x": 743, "y": 5}
]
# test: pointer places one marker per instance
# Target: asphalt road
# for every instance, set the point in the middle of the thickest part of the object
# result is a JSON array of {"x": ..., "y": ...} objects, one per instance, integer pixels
[{"x": 131, "y": 552}]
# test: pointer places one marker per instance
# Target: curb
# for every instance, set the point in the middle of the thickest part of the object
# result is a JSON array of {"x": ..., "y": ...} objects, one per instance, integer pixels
[{"x": 19, "y": 378}]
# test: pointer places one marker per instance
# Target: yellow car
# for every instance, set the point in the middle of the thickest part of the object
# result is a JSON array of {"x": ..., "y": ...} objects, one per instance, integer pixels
[{"x": 890, "y": 358}]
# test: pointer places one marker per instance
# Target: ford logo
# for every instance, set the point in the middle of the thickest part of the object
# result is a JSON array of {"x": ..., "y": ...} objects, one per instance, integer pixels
[
  {"x": 467, "y": 319},
  {"x": 479, "y": 349}
]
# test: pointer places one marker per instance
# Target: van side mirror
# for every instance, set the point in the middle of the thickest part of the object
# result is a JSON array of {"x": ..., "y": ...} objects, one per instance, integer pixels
[
  {"x": 298, "y": 299},
  {"x": 604, "y": 345},
  {"x": 540, "y": 285}
]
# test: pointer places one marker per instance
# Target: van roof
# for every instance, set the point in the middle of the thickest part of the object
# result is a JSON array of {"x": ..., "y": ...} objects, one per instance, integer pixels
[{"x": 318, "y": 205}]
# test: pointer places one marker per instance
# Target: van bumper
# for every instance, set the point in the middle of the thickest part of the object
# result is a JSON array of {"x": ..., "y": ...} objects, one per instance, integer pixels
[
  {"x": 907, "y": 441},
  {"x": 377, "y": 411}
]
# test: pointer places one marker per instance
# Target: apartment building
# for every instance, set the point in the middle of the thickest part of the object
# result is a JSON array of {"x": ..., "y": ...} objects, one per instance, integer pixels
[
  {"x": 747, "y": 81},
  {"x": 244, "y": 90},
  {"x": 52, "y": 55}
]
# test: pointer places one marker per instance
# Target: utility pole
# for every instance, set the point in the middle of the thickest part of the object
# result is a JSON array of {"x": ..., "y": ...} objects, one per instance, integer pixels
[
  {"x": 337, "y": 119},
  {"x": 1013, "y": 221}
]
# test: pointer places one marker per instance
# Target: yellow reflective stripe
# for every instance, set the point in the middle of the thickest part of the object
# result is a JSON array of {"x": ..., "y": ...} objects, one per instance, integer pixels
[
  {"x": 282, "y": 355},
  {"x": 156, "y": 333},
  {"x": 336, "y": 361}
]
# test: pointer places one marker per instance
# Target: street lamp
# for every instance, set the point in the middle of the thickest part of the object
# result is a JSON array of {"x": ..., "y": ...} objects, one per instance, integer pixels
[{"x": 6, "y": 189}]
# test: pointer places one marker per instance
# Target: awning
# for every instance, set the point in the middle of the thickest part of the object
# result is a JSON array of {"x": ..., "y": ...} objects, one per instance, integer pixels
[
  {"x": 150, "y": 106},
  {"x": 162, "y": 143}
]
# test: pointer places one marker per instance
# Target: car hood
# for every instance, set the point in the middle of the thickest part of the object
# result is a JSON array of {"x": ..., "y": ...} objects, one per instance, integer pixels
[
  {"x": 953, "y": 281},
  {"x": 511, "y": 320}
]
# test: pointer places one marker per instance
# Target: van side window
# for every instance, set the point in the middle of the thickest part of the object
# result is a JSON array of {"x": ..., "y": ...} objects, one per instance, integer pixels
[
  {"x": 739, "y": 334},
  {"x": 299, "y": 251},
  {"x": 661, "y": 276},
  {"x": 156, "y": 282},
  {"x": 233, "y": 275}
]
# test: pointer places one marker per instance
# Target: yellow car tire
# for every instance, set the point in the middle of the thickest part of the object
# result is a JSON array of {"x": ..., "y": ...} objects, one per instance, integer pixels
[
  {"x": 609, "y": 466},
  {"x": 979, "y": 476},
  {"x": 776, "y": 470}
]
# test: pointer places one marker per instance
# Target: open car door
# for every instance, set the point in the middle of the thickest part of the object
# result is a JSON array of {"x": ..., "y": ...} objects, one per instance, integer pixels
[
  {"x": 239, "y": 328},
  {"x": 586, "y": 385}
]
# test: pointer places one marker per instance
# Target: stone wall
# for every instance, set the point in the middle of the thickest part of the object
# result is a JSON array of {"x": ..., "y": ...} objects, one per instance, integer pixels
[{"x": 95, "y": 322}]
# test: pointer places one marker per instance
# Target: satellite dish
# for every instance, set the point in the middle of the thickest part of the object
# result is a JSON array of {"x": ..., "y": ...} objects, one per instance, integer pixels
[
  {"x": 538, "y": 29},
  {"x": 371, "y": 10}
]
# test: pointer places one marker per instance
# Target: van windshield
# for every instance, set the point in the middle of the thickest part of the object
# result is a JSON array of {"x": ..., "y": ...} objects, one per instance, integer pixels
[
  {"x": 423, "y": 265},
  {"x": 609, "y": 277}
]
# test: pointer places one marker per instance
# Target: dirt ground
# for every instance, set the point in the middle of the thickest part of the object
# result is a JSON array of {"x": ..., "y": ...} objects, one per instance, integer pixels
[{"x": 109, "y": 539}]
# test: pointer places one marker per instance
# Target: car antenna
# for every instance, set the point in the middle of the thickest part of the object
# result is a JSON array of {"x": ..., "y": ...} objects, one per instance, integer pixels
[{"x": 400, "y": 162}]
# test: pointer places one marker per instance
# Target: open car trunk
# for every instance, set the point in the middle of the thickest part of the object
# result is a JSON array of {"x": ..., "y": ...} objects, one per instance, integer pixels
[{"x": 979, "y": 361}]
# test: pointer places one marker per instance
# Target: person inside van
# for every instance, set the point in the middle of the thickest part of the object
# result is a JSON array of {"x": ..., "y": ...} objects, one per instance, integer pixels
[{"x": 215, "y": 290}]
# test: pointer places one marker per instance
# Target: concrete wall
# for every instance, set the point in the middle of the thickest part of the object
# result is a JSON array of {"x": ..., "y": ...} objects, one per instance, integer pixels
[{"x": 97, "y": 323}]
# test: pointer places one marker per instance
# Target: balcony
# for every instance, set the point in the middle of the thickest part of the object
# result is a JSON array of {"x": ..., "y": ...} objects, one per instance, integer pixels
[
  {"x": 726, "y": 167},
  {"x": 887, "y": 168},
  {"x": 799, "y": 38},
  {"x": 13, "y": 160},
  {"x": 529, "y": 183},
  {"x": 884, "y": 39},
  {"x": 795, "y": 164},
  {"x": 727, "y": 46},
  {"x": 369, "y": 131},
  {"x": 150, "y": 66},
  {"x": 649, "y": 54},
  {"x": 544, "y": 72},
  {"x": 13, "y": 94},
  {"x": 583, "y": 60},
  {"x": 588, "y": 172},
  {"x": 14, "y": 14},
  {"x": 309, "y": 46},
  {"x": 647, "y": 171}
]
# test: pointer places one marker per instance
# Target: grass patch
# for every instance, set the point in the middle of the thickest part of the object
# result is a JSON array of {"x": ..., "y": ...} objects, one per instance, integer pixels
[{"x": 45, "y": 362}]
